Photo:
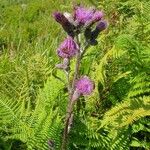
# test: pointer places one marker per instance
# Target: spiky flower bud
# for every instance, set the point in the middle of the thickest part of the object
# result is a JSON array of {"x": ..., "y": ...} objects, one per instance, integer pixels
[
  {"x": 102, "y": 25},
  {"x": 67, "y": 26},
  {"x": 68, "y": 48},
  {"x": 60, "y": 18}
]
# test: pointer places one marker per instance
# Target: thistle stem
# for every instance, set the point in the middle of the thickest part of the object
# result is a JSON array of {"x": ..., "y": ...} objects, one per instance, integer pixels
[
  {"x": 71, "y": 103},
  {"x": 76, "y": 72},
  {"x": 65, "y": 133}
]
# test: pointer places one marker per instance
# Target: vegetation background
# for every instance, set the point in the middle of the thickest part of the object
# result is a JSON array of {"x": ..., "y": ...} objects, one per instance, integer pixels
[{"x": 33, "y": 98}]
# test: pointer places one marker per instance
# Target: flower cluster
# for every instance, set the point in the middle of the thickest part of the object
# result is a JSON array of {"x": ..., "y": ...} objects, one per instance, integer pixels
[
  {"x": 87, "y": 22},
  {"x": 82, "y": 19}
]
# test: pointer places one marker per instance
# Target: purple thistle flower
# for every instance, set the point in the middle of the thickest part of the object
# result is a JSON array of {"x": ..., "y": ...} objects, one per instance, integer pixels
[
  {"x": 83, "y": 15},
  {"x": 84, "y": 86},
  {"x": 97, "y": 16},
  {"x": 68, "y": 48},
  {"x": 87, "y": 16}
]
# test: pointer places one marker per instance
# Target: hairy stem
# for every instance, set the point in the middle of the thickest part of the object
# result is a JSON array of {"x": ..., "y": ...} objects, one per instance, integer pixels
[
  {"x": 65, "y": 133},
  {"x": 76, "y": 72},
  {"x": 71, "y": 103},
  {"x": 68, "y": 80}
]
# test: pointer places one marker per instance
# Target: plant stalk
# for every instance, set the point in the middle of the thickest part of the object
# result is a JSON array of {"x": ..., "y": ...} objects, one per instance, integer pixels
[{"x": 70, "y": 102}]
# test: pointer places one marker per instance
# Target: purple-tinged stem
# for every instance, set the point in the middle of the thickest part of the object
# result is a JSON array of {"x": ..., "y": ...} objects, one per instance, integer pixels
[
  {"x": 71, "y": 103},
  {"x": 78, "y": 58},
  {"x": 65, "y": 133}
]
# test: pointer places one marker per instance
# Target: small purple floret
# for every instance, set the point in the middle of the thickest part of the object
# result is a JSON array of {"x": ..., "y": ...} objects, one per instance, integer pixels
[
  {"x": 68, "y": 48},
  {"x": 84, "y": 86}
]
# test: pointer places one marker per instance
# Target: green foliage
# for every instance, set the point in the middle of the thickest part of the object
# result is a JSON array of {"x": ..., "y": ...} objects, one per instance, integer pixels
[
  {"x": 141, "y": 85},
  {"x": 33, "y": 94},
  {"x": 127, "y": 112},
  {"x": 140, "y": 132},
  {"x": 34, "y": 126}
]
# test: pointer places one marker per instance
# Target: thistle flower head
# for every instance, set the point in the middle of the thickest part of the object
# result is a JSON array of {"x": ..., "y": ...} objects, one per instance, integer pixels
[
  {"x": 97, "y": 16},
  {"x": 68, "y": 48},
  {"x": 84, "y": 86},
  {"x": 82, "y": 15}
]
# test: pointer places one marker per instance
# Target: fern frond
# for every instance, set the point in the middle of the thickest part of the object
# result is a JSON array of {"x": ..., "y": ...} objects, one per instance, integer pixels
[
  {"x": 141, "y": 85},
  {"x": 143, "y": 144},
  {"x": 120, "y": 140},
  {"x": 43, "y": 123},
  {"x": 125, "y": 113},
  {"x": 100, "y": 72},
  {"x": 85, "y": 134},
  {"x": 9, "y": 110},
  {"x": 11, "y": 119}
]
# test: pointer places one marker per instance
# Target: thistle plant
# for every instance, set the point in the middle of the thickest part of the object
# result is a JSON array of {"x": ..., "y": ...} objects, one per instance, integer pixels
[{"x": 82, "y": 27}]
